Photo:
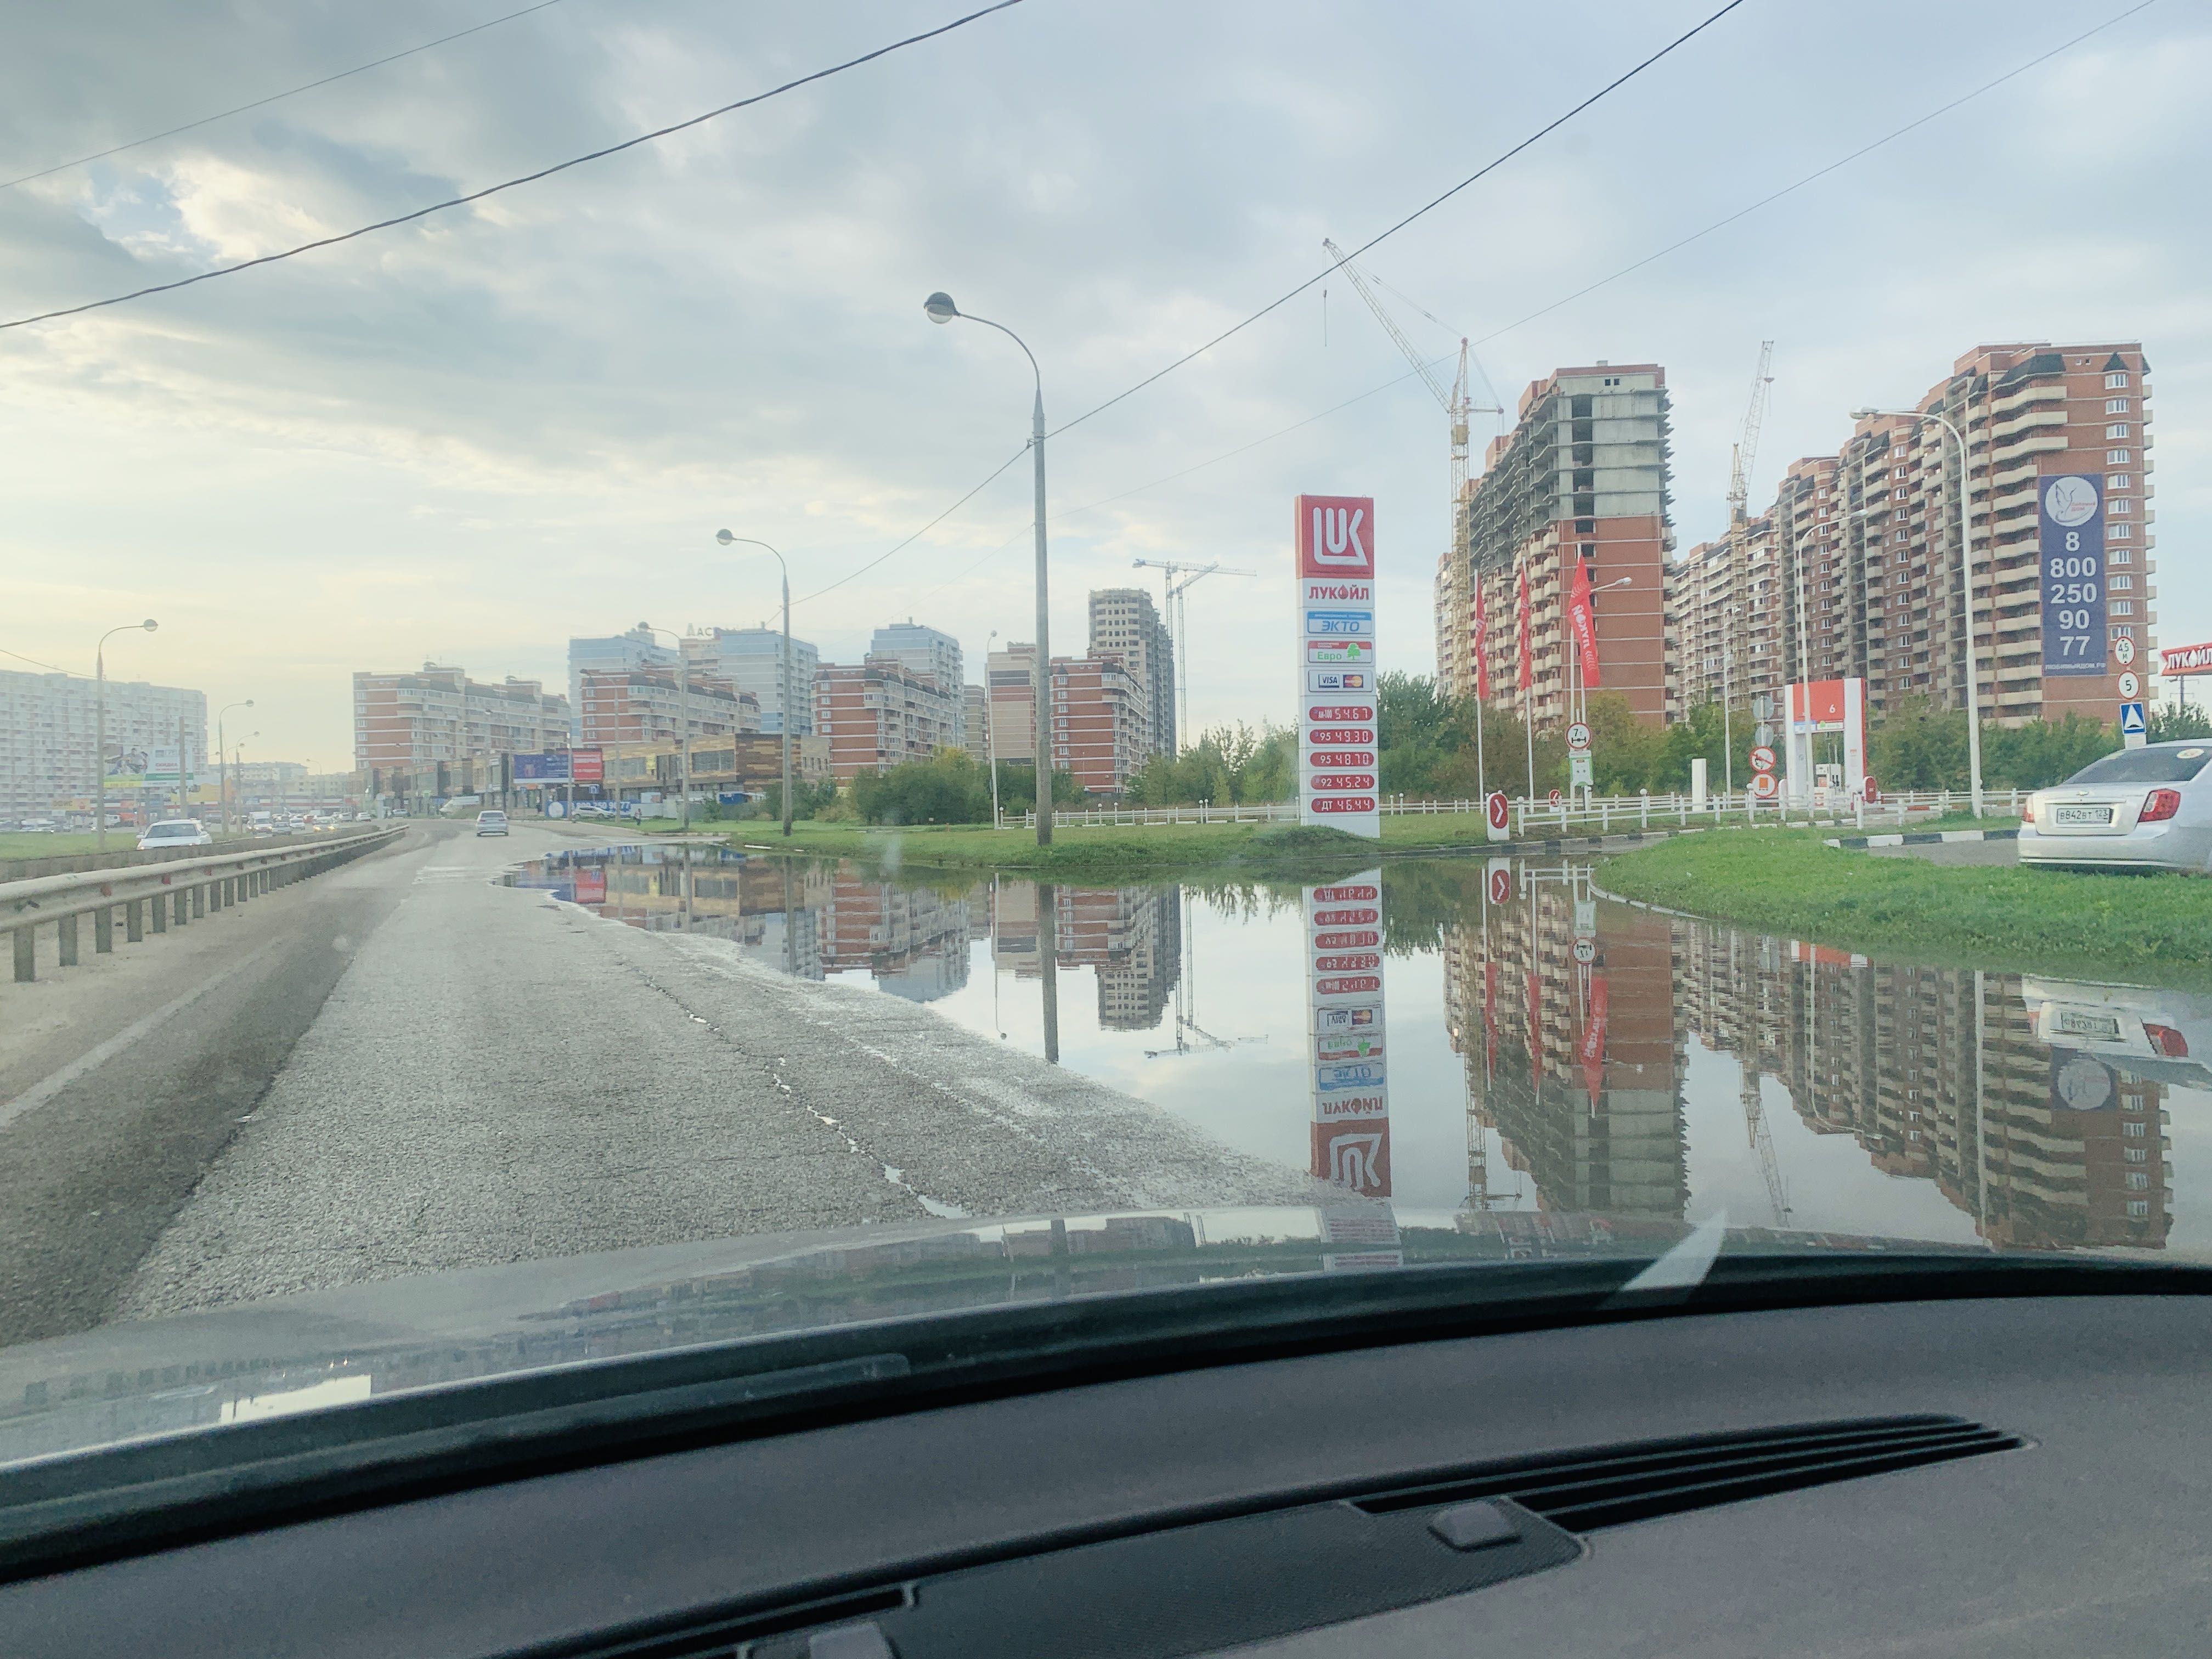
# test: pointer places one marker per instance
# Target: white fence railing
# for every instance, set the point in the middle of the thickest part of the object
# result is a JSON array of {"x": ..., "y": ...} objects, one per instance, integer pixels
[{"x": 1602, "y": 815}]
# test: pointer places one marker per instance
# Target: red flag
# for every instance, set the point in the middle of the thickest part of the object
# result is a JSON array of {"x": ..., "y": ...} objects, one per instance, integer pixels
[
  {"x": 1593, "y": 1045},
  {"x": 1481, "y": 646},
  {"x": 1489, "y": 1017},
  {"x": 1582, "y": 613},
  {"x": 1528, "y": 665}
]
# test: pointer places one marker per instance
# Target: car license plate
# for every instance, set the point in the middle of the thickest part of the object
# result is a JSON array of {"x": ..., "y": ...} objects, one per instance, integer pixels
[
  {"x": 2081, "y": 815},
  {"x": 2099, "y": 1025}
]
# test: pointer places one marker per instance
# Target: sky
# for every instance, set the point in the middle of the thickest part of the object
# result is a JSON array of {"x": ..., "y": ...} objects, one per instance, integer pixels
[{"x": 472, "y": 437}]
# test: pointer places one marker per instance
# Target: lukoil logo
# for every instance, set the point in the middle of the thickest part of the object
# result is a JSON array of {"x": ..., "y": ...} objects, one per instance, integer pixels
[{"x": 1336, "y": 537}]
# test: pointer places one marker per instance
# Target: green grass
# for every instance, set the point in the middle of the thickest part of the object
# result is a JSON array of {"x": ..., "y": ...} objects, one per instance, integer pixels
[
  {"x": 15, "y": 844},
  {"x": 2139, "y": 928}
]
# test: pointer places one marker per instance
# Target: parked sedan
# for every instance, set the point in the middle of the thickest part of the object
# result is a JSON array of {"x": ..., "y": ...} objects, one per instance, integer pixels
[
  {"x": 2138, "y": 809},
  {"x": 491, "y": 823},
  {"x": 175, "y": 832}
]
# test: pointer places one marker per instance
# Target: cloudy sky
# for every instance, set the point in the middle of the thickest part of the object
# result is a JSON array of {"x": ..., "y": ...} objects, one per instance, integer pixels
[{"x": 472, "y": 437}]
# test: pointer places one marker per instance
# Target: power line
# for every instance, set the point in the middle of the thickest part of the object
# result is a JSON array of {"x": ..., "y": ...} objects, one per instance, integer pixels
[
  {"x": 919, "y": 533},
  {"x": 1822, "y": 172},
  {"x": 274, "y": 97},
  {"x": 527, "y": 179},
  {"x": 35, "y": 663},
  {"x": 1486, "y": 168}
]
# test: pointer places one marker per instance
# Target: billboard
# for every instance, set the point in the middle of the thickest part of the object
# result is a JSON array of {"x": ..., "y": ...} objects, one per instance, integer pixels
[
  {"x": 589, "y": 765},
  {"x": 2185, "y": 659},
  {"x": 1336, "y": 664},
  {"x": 536, "y": 771},
  {"x": 2071, "y": 514}
]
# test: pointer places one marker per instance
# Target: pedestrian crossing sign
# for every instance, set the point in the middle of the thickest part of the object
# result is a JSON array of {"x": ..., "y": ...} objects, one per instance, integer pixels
[{"x": 2131, "y": 720}]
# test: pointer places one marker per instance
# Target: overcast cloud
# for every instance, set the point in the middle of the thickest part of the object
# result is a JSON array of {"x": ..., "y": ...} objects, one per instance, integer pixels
[{"x": 469, "y": 438}]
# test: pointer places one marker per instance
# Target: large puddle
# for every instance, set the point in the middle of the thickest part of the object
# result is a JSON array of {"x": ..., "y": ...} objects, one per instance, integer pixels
[{"x": 1548, "y": 1051}]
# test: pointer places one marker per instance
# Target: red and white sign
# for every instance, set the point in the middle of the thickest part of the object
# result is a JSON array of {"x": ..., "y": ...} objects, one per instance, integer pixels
[
  {"x": 1763, "y": 786},
  {"x": 590, "y": 765},
  {"x": 1499, "y": 811},
  {"x": 1346, "y": 1066},
  {"x": 1762, "y": 759},
  {"x": 1873, "y": 792},
  {"x": 2185, "y": 659},
  {"x": 1336, "y": 658},
  {"x": 1585, "y": 950},
  {"x": 1501, "y": 881}
]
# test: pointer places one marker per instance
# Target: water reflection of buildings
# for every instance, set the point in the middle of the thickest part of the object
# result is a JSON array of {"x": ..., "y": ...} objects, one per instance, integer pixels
[
  {"x": 1938, "y": 1074},
  {"x": 912, "y": 941},
  {"x": 1132, "y": 937}
]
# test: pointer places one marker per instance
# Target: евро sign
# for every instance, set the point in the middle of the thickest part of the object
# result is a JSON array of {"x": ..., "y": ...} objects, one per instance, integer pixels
[
  {"x": 1338, "y": 756},
  {"x": 2070, "y": 510}
]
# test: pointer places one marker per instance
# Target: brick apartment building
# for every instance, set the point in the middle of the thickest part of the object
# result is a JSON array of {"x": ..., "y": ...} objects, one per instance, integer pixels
[
  {"x": 409, "y": 726},
  {"x": 1124, "y": 624},
  {"x": 878, "y": 714},
  {"x": 1583, "y": 477},
  {"x": 1101, "y": 715},
  {"x": 625, "y": 706},
  {"x": 923, "y": 650},
  {"x": 1854, "y": 568}
]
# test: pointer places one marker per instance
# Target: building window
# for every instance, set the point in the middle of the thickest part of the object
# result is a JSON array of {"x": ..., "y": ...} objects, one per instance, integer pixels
[
  {"x": 2120, "y": 509},
  {"x": 2135, "y": 1128},
  {"x": 2124, "y": 633},
  {"x": 2117, "y": 429},
  {"x": 2123, "y": 607},
  {"x": 2118, "y": 457},
  {"x": 2120, "y": 532},
  {"x": 2116, "y": 379},
  {"x": 2119, "y": 584},
  {"x": 2116, "y": 406},
  {"x": 2138, "y": 1179}
]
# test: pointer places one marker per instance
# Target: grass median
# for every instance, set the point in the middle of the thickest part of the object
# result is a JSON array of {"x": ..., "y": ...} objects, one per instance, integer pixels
[{"x": 2135, "y": 927}]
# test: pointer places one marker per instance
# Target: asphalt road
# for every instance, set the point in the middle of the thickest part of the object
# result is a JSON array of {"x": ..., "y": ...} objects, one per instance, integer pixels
[
  {"x": 403, "y": 1067},
  {"x": 1955, "y": 852}
]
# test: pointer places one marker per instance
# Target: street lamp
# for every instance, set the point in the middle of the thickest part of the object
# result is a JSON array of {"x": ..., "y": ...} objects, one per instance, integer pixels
[
  {"x": 940, "y": 309},
  {"x": 1966, "y": 584},
  {"x": 100, "y": 728},
  {"x": 725, "y": 538},
  {"x": 683, "y": 715},
  {"x": 991, "y": 736},
  {"x": 222, "y": 756}
]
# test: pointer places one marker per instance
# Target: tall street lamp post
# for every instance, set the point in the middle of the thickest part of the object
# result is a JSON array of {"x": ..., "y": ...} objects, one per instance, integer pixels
[
  {"x": 990, "y": 732},
  {"x": 940, "y": 309},
  {"x": 1965, "y": 583},
  {"x": 100, "y": 728},
  {"x": 683, "y": 719},
  {"x": 222, "y": 756},
  {"x": 725, "y": 538}
]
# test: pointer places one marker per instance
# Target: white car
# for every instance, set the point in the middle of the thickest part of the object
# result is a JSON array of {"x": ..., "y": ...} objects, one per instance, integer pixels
[
  {"x": 491, "y": 823},
  {"x": 175, "y": 832},
  {"x": 2136, "y": 809}
]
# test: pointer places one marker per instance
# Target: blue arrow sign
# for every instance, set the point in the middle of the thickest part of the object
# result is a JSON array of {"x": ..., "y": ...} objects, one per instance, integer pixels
[{"x": 2131, "y": 720}]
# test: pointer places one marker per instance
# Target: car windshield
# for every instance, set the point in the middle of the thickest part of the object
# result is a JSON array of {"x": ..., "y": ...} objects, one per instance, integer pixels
[
  {"x": 2161, "y": 763},
  {"x": 838, "y": 665}
]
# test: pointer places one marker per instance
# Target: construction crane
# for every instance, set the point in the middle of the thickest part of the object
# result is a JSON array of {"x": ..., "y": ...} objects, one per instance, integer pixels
[
  {"x": 1458, "y": 407},
  {"x": 1746, "y": 455},
  {"x": 1178, "y": 630}
]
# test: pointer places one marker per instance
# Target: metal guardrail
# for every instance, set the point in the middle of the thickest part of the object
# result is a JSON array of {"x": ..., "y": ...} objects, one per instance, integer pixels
[
  {"x": 1603, "y": 813},
  {"x": 170, "y": 894}
]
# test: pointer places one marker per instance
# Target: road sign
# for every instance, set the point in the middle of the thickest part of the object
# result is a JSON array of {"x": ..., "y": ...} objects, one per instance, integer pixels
[
  {"x": 1763, "y": 786},
  {"x": 1501, "y": 881},
  {"x": 1334, "y": 569},
  {"x": 2124, "y": 649},
  {"x": 2129, "y": 685},
  {"x": 1555, "y": 797},
  {"x": 1872, "y": 793},
  {"x": 1585, "y": 950},
  {"x": 1499, "y": 811},
  {"x": 2133, "y": 730},
  {"x": 1578, "y": 737},
  {"x": 1762, "y": 759}
]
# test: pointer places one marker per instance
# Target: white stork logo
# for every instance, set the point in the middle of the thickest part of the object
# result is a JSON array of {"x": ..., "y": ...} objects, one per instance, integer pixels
[{"x": 1336, "y": 537}]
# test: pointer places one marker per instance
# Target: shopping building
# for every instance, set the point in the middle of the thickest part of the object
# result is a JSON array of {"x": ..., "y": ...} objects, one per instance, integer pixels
[
  {"x": 48, "y": 725},
  {"x": 1583, "y": 479}
]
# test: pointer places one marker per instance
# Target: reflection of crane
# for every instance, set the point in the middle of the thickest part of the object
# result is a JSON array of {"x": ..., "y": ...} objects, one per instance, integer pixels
[
  {"x": 1178, "y": 630},
  {"x": 1762, "y": 1142},
  {"x": 1186, "y": 1003},
  {"x": 1745, "y": 453},
  {"x": 1457, "y": 407}
]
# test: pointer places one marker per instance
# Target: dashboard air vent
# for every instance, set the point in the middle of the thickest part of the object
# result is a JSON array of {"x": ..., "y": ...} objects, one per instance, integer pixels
[{"x": 1582, "y": 1492}]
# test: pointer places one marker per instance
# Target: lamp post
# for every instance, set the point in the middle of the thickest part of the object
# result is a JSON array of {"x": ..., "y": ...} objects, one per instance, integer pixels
[
  {"x": 727, "y": 538},
  {"x": 991, "y": 747},
  {"x": 940, "y": 309},
  {"x": 1965, "y": 583},
  {"x": 222, "y": 755},
  {"x": 684, "y": 717},
  {"x": 100, "y": 728}
]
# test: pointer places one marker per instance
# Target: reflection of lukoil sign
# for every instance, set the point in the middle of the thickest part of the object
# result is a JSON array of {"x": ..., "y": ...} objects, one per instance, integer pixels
[
  {"x": 1343, "y": 976},
  {"x": 1338, "y": 779}
]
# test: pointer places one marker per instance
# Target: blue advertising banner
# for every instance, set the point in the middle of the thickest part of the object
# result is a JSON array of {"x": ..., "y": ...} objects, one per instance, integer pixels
[
  {"x": 531, "y": 770},
  {"x": 2072, "y": 515}
]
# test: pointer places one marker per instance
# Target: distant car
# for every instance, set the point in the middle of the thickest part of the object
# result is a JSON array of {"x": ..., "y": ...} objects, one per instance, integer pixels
[
  {"x": 2136, "y": 809},
  {"x": 370, "y": 818},
  {"x": 175, "y": 832},
  {"x": 491, "y": 823}
]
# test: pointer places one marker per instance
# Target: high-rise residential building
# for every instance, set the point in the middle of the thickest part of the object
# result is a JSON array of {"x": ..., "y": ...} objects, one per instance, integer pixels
[
  {"x": 1011, "y": 690},
  {"x": 650, "y": 705},
  {"x": 410, "y": 723},
  {"x": 751, "y": 660},
  {"x": 47, "y": 728},
  {"x": 636, "y": 648},
  {"x": 926, "y": 651},
  {"x": 1124, "y": 623},
  {"x": 1583, "y": 479},
  {"x": 879, "y": 714},
  {"x": 1099, "y": 715},
  {"x": 1855, "y": 571},
  {"x": 975, "y": 721}
]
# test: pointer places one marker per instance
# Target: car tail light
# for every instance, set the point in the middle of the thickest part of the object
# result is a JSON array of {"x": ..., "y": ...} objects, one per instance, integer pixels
[
  {"x": 2163, "y": 804},
  {"x": 2168, "y": 1040}
]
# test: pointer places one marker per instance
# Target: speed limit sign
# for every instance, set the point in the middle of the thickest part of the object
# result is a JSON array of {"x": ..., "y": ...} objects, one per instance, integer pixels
[
  {"x": 2128, "y": 684},
  {"x": 1578, "y": 737},
  {"x": 1585, "y": 950}
]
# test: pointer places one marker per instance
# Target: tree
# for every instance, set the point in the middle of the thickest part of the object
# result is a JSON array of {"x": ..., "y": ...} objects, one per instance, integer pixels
[
  {"x": 949, "y": 787},
  {"x": 1228, "y": 766},
  {"x": 1917, "y": 746},
  {"x": 2171, "y": 725},
  {"x": 2038, "y": 753}
]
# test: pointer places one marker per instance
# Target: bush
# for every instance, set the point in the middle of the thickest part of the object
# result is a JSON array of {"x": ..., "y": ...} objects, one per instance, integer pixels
[{"x": 1226, "y": 766}]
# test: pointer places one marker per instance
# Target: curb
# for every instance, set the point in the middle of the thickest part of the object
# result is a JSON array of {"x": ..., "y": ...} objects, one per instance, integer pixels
[{"x": 1925, "y": 838}]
